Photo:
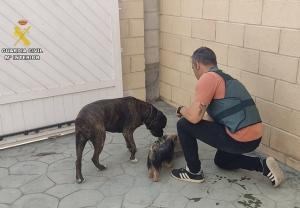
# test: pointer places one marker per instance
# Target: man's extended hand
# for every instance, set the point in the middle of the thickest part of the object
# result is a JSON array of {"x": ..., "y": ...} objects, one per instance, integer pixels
[{"x": 178, "y": 113}]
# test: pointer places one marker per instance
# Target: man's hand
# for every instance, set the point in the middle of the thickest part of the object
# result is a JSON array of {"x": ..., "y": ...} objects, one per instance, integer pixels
[
  {"x": 193, "y": 113},
  {"x": 178, "y": 113}
]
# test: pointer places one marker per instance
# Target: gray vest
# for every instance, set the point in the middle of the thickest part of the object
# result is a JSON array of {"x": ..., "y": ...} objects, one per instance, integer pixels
[{"x": 237, "y": 109}]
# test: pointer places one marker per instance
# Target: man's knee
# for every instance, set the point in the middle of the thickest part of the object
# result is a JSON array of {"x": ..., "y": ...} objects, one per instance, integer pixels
[{"x": 220, "y": 161}]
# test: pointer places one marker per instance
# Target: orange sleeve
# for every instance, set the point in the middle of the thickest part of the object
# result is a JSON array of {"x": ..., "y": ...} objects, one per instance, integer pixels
[{"x": 206, "y": 88}]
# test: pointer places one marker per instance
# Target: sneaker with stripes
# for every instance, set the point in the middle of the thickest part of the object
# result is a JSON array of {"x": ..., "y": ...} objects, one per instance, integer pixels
[
  {"x": 185, "y": 175},
  {"x": 272, "y": 170}
]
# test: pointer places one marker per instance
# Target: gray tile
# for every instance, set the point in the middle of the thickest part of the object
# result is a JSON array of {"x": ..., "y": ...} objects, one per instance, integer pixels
[
  {"x": 82, "y": 198},
  {"x": 3, "y": 172},
  {"x": 170, "y": 200},
  {"x": 111, "y": 202},
  {"x": 38, "y": 185},
  {"x": 28, "y": 167},
  {"x": 251, "y": 200},
  {"x": 15, "y": 181},
  {"x": 9, "y": 195},
  {"x": 7, "y": 162},
  {"x": 118, "y": 185},
  {"x": 63, "y": 190},
  {"x": 140, "y": 197},
  {"x": 36, "y": 201}
]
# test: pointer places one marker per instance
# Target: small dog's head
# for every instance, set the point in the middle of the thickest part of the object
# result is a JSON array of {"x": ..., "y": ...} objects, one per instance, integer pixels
[
  {"x": 175, "y": 139},
  {"x": 156, "y": 122},
  {"x": 172, "y": 137}
]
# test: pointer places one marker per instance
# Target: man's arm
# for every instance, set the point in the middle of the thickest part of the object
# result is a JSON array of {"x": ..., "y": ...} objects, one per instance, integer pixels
[{"x": 194, "y": 113}]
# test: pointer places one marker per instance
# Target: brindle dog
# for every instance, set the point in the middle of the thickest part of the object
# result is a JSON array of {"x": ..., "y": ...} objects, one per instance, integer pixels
[{"x": 121, "y": 115}]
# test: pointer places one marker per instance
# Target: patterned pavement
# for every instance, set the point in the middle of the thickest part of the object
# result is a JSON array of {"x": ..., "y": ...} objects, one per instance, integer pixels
[{"x": 42, "y": 175}]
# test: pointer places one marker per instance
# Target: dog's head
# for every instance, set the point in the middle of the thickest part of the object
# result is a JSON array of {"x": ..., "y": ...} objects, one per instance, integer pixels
[{"x": 156, "y": 121}]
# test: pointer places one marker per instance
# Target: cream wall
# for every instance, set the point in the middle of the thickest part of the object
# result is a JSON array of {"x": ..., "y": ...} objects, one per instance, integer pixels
[
  {"x": 257, "y": 42},
  {"x": 132, "y": 43}
]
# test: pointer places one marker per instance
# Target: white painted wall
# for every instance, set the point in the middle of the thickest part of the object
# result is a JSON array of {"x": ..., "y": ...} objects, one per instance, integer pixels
[{"x": 81, "y": 61}]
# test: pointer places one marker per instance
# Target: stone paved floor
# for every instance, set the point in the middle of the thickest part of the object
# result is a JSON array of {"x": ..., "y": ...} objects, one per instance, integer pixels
[{"x": 33, "y": 180}]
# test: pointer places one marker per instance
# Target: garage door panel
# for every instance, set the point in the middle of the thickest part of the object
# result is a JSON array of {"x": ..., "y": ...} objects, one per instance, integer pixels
[
  {"x": 97, "y": 10},
  {"x": 80, "y": 63}
]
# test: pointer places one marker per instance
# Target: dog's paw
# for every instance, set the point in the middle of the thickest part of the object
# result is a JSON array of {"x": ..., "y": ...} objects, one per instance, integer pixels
[
  {"x": 134, "y": 160},
  {"x": 79, "y": 181}
]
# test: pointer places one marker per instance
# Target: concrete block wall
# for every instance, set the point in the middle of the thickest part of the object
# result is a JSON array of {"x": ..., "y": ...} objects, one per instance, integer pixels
[
  {"x": 257, "y": 42},
  {"x": 151, "y": 9},
  {"x": 133, "y": 47}
]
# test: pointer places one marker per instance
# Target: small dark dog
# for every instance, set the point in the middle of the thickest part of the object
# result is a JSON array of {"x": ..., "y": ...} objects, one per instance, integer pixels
[
  {"x": 161, "y": 153},
  {"x": 121, "y": 115}
]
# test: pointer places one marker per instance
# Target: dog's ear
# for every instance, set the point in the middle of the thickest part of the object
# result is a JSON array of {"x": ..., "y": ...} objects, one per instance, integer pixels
[{"x": 162, "y": 118}]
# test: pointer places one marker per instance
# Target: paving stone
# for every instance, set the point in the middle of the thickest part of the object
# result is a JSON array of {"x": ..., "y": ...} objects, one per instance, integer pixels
[
  {"x": 28, "y": 167},
  {"x": 216, "y": 181},
  {"x": 298, "y": 196},
  {"x": 251, "y": 200},
  {"x": 54, "y": 147},
  {"x": 287, "y": 204},
  {"x": 141, "y": 132},
  {"x": 135, "y": 169},
  {"x": 170, "y": 200},
  {"x": 224, "y": 194},
  {"x": 7, "y": 162},
  {"x": 118, "y": 185},
  {"x": 38, "y": 185},
  {"x": 60, "y": 177},
  {"x": 173, "y": 186},
  {"x": 204, "y": 202},
  {"x": 109, "y": 137},
  {"x": 82, "y": 198},
  {"x": 277, "y": 194},
  {"x": 88, "y": 156},
  {"x": 62, "y": 165},
  {"x": 116, "y": 159},
  {"x": 139, "y": 197},
  {"x": 18, "y": 151},
  {"x": 115, "y": 149},
  {"x": 15, "y": 181},
  {"x": 195, "y": 190},
  {"x": 51, "y": 158},
  {"x": 36, "y": 201},
  {"x": 111, "y": 202},
  {"x": 92, "y": 182},
  {"x": 245, "y": 188},
  {"x": 9, "y": 195},
  {"x": 3, "y": 172},
  {"x": 63, "y": 190}
]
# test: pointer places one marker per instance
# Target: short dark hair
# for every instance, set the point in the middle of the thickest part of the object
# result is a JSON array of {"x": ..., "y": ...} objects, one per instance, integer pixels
[{"x": 205, "y": 56}]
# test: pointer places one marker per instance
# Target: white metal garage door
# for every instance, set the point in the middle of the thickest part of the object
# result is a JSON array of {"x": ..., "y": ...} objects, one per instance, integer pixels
[{"x": 80, "y": 60}]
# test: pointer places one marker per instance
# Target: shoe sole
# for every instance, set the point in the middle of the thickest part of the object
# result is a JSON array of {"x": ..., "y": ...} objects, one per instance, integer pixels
[
  {"x": 275, "y": 170},
  {"x": 188, "y": 180}
]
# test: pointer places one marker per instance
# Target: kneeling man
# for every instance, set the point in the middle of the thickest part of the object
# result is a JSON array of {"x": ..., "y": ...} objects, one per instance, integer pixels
[{"x": 235, "y": 126}]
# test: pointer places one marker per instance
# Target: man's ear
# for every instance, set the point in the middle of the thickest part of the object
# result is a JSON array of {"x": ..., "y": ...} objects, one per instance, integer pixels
[{"x": 198, "y": 66}]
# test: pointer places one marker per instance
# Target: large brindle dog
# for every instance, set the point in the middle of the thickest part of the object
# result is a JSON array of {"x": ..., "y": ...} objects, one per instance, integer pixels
[{"x": 121, "y": 115}]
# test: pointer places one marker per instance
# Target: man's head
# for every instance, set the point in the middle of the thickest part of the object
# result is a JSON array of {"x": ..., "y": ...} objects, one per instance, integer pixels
[{"x": 202, "y": 59}]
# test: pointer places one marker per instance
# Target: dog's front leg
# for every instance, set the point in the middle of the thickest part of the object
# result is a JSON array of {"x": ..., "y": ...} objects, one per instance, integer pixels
[{"x": 128, "y": 135}]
